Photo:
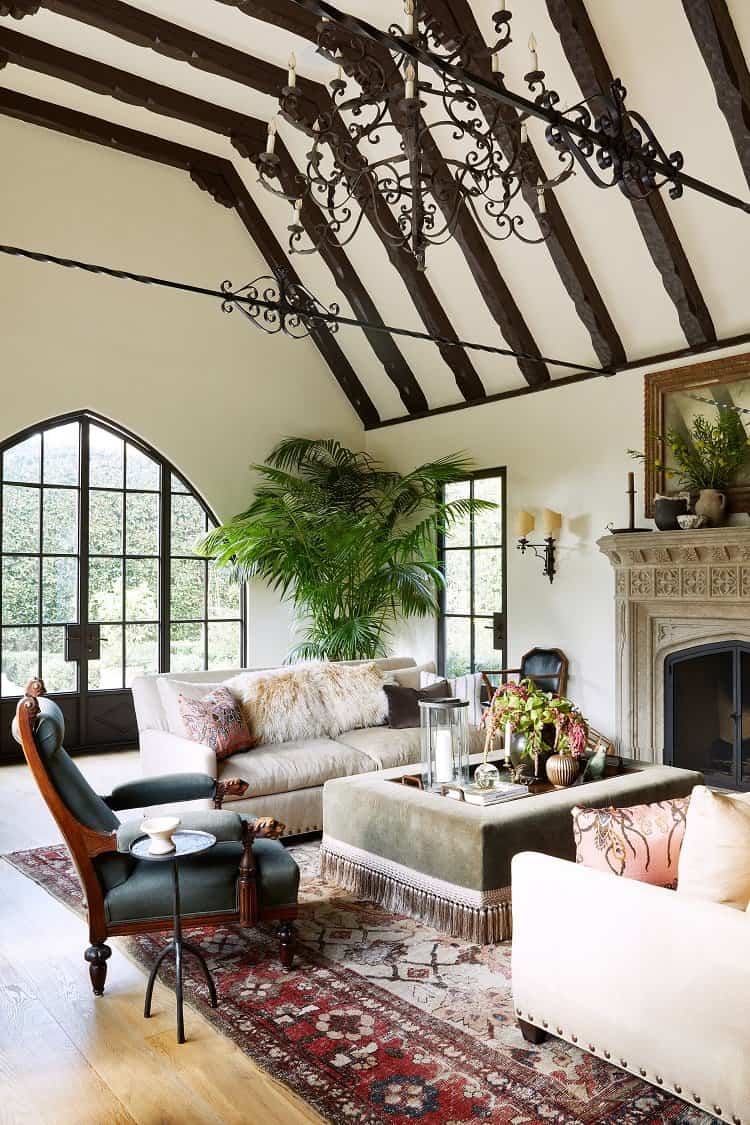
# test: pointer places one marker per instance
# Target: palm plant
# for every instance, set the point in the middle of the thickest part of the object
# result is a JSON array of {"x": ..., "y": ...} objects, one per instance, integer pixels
[{"x": 351, "y": 543}]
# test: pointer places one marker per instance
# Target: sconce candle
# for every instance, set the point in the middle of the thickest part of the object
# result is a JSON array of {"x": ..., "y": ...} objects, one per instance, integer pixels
[
  {"x": 524, "y": 524},
  {"x": 551, "y": 522}
]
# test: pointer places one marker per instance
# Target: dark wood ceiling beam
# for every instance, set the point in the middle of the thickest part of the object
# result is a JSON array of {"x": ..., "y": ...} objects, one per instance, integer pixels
[
  {"x": 480, "y": 260},
  {"x": 175, "y": 42},
  {"x": 212, "y": 174},
  {"x": 454, "y": 18},
  {"x": 716, "y": 37},
  {"x": 248, "y": 136},
  {"x": 592, "y": 72}
]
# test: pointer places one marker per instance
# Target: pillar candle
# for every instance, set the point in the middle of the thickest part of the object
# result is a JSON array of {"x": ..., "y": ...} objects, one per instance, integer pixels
[
  {"x": 524, "y": 524},
  {"x": 292, "y": 76},
  {"x": 271, "y": 139},
  {"x": 443, "y": 757},
  {"x": 508, "y": 739}
]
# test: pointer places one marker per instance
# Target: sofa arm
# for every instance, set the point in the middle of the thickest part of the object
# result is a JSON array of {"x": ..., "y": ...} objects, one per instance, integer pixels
[
  {"x": 654, "y": 980},
  {"x": 165, "y": 753}
]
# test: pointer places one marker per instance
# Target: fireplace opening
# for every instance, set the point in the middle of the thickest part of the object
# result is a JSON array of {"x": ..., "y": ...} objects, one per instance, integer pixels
[{"x": 707, "y": 713}]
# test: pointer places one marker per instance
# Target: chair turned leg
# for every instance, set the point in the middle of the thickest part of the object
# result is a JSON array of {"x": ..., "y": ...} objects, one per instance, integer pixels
[
  {"x": 531, "y": 1033},
  {"x": 97, "y": 957},
  {"x": 287, "y": 941}
]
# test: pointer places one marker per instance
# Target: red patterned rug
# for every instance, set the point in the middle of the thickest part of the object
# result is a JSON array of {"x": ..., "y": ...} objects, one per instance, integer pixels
[{"x": 385, "y": 1020}]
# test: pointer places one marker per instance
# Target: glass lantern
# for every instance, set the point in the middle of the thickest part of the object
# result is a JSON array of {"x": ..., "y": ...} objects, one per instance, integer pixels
[{"x": 445, "y": 741}]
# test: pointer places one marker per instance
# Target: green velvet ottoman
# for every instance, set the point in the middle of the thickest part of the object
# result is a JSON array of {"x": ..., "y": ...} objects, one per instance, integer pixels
[{"x": 447, "y": 862}]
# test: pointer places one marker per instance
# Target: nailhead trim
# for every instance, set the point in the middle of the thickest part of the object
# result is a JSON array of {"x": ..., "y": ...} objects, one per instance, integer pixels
[
  {"x": 678, "y": 1089},
  {"x": 717, "y": 1110},
  {"x": 696, "y": 1099},
  {"x": 607, "y": 1055}
]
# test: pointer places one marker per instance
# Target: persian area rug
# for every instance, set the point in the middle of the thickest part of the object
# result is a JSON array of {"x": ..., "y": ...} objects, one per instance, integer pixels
[{"x": 384, "y": 1019}]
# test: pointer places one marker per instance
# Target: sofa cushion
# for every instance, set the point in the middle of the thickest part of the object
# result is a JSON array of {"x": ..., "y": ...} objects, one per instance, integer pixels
[
  {"x": 385, "y": 746},
  {"x": 283, "y": 767},
  {"x": 403, "y": 702},
  {"x": 715, "y": 857},
  {"x": 640, "y": 842},
  {"x": 467, "y": 687},
  {"x": 409, "y": 677},
  {"x": 171, "y": 692}
]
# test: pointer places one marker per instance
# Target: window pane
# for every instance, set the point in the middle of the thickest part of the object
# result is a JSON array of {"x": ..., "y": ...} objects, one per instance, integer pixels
[
  {"x": 20, "y": 591},
  {"x": 186, "y": 648},
  {"x": 141, "y": 589},
  {"x": 106, "y": 672},
  {"x": 141, "y": 651},
  {"x": 457, "y": 646},
  {"x": 459, "y": 533},
  {"x": 457, "y": 582},
  {"x": 177, "y": 485},
  {"x": 20, "y": 660},
  {"x": 61, "y": 445},
  {"x": 188, "y": 523},
  {"x": 223, "y": 593},
  {"x": 488, "y": 581},
  {"x": 485, "y": 656},
  {"x": 106, "y": 459},
  {"x": 105, "y": 590},
  {"x": 59, "y": 591},
  {"x": 488, "y": 525},
  {"x": 58, "y": 673},
  {"x": 187, "y": 589},
  {"x": 105, "y": 523},
  {"x": 20, "y": 519},
  {"x": 23, "y": 462},
  {"x": 142, "y": 523},
  {"x": 224, "y": 644},
  {"x": 141, "y": 471},
  {"x": 60, "y": 521}
]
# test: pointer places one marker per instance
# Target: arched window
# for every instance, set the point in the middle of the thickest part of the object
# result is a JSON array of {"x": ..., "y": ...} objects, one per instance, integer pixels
[{"x": 98, "y": 579}]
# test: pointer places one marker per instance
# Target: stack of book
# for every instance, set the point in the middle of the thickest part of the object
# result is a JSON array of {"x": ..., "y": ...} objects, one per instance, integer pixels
[{"x": 504, "y": 791}]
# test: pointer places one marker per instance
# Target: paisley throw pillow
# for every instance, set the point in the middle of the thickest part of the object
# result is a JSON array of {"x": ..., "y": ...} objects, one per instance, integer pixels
[
  {"x": 642, "y": 842},
  {"x": 216, "y": 721}
]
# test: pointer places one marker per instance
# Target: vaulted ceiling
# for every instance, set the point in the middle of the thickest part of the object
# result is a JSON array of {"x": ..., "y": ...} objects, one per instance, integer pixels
[{"x": 193, "y": 84}]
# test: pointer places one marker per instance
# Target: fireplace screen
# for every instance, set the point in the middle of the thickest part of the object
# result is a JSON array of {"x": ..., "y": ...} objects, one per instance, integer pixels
[{"x": 707, "y": 718}]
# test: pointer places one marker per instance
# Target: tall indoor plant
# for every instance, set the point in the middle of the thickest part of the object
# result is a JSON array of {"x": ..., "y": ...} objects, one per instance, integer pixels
[{"x": 352, "y": 544}]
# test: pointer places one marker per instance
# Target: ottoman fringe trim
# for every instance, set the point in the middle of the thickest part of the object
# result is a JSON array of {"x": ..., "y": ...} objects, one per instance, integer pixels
[{"x": 488, "y": 920}]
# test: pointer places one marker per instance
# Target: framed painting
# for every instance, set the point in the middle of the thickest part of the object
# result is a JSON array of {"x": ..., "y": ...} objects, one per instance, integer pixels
[{"x": 674, "y": 398}]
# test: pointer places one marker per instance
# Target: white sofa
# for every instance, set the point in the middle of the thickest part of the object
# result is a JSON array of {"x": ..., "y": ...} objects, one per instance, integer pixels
[
  {"x": 286, "y": 779},
  {"x": 652, "y": 981}
]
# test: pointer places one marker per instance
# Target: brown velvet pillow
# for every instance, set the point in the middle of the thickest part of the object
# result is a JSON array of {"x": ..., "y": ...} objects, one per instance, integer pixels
[{"x": 403, "y": 702}]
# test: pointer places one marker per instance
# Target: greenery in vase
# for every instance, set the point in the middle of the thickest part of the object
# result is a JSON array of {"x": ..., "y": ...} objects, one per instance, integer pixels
[
  {"x": 532, "y": 712},
  {"x": 352, "y": 544},
  {"x": 711, "y": 454}
]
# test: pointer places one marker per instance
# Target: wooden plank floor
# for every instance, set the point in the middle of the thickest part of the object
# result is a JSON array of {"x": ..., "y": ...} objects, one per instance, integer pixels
[{"x": 69, "y": 1058}]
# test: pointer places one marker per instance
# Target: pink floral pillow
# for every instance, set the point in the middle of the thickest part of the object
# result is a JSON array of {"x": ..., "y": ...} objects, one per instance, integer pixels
[
  {"x": 642, "y": 842},
  {"x": 216, "y": 721}
]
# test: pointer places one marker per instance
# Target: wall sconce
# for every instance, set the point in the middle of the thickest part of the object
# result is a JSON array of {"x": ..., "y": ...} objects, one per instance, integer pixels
[{"x": 551, "y": 523}]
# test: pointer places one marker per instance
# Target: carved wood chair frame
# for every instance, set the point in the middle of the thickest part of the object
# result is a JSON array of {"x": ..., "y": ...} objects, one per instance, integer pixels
[{"x": 85, "y": 844}]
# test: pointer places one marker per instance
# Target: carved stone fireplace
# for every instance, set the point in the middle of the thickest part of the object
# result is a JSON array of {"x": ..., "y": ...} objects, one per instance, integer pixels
[{"x": 674, "y": 592}]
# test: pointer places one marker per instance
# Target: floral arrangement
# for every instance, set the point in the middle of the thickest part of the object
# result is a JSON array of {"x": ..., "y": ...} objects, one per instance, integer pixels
[
  {"x": 532, "y": 712},
  {"x": 709, "y": 456}
]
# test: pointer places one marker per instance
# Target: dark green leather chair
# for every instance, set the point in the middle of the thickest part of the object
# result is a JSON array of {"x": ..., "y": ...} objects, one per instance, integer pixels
[{"x": 245, "y": 878}]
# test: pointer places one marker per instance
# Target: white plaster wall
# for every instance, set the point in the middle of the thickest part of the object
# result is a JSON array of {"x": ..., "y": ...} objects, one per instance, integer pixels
[
  {"x": 563, "y": 449},
  {"x": 206, "y": 389}
]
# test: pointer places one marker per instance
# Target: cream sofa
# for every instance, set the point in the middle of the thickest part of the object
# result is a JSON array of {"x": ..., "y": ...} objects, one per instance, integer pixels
[
  {"x": 285, "y": 779},
  {"x": 652, "y": 981}
]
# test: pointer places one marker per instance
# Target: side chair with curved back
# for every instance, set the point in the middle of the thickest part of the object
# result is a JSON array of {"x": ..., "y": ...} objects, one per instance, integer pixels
[
  {"x": 246, "y": 878},
  {"x": 547, "y": 667}
]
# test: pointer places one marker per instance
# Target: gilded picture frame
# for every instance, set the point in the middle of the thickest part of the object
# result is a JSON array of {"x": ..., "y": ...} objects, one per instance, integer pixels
[{"x": 671, "y": 400}]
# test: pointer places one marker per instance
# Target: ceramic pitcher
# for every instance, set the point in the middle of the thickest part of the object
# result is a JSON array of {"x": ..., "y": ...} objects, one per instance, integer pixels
[{"x": 713, "y": 505}]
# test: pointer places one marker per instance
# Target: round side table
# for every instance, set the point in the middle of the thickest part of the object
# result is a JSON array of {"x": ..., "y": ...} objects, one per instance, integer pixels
[{"x": 187, "y": 843}]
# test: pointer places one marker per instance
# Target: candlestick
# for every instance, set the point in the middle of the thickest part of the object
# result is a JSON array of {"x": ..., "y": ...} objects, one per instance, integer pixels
[
  {"x": 271, "y": 138},
  {"x": 631, "y": 500},
  {"x": 292, "y": 76},
  {"x": 532, "y": 49},
  {"x": 443, "y": 757}
]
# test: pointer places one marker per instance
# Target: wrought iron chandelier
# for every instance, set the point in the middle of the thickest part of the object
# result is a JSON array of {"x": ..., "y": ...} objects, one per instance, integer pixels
[
  {"x": 426, "y": 195},
  {"x": 414, "y": 68}
]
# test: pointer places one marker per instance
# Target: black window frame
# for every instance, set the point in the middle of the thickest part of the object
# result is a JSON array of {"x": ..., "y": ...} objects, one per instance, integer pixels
[
  {"x": 501, "y": 474},
  {"x": 168, "y": 473}
]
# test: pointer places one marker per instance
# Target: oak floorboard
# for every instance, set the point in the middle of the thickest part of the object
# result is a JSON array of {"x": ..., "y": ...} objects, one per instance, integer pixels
[{"x": 76, "y": 1059}]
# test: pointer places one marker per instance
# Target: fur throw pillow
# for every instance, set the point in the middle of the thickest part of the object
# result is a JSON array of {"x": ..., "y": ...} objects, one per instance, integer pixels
[{"x": 310, "y": 700}]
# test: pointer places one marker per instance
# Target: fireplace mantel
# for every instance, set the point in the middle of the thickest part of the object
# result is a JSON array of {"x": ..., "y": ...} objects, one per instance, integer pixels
[{"x": 673, "y": 590}]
